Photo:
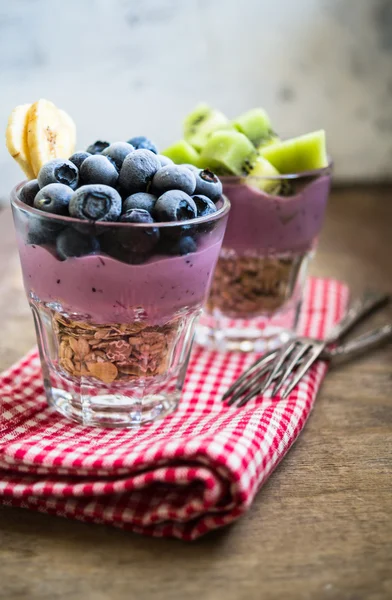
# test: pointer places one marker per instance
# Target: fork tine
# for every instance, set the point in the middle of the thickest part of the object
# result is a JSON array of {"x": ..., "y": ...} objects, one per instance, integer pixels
[
  {"x": 249, "y": 383},
  {"x": 285, "y": 351},
  {"x": 314, "y": 354},
  {"x": 255, "y": 391},
  {"x": 258, "y": 363},
  {"x": 296, "y": 357}
]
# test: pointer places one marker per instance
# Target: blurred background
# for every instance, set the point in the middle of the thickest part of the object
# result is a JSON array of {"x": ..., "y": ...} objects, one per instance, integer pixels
[{"x": 128, "y": 67}]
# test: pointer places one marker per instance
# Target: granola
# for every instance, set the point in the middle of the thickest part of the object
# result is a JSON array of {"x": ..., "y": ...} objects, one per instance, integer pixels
[
  {"x": 113, "y": 352},
  {"x": 245, "y": 286}
]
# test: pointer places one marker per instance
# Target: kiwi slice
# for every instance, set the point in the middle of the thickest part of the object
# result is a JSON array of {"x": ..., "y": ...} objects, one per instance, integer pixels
[
  {"x": 228, "y": 153},
  {"x": 303, "y": 153},
  {"x": 181, "y": 152},
  {"x": 273, "y": 139},
  {"x": 263, "y": 168},
  {"x": 256, "y": 125},
  {"x": 201, "y": 122}
]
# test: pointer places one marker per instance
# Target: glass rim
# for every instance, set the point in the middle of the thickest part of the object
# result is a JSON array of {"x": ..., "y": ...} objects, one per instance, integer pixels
[
  {"x": 19, "y": 205},
  {"x": 299, "y": 175}
]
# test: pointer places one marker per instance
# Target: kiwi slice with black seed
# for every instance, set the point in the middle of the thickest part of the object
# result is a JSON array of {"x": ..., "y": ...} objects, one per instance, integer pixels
[
  {"x": 264, "y": 177},
  {"x": 201, "y": 123},
  {"x": 228, "y": 152},
  {"x": 256, "y": 125}
]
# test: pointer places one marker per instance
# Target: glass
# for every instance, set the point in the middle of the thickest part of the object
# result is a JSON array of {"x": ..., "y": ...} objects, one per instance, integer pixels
[
  {"x": 271, "y": 236},
  {"x": 115, "y": 328}
]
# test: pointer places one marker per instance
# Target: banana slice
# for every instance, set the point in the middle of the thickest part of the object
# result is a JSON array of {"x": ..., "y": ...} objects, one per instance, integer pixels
[
  {"x": 69, "y": 126},
  {"x": 50, "y": 134},
  {"x": 16, "y": 138}
]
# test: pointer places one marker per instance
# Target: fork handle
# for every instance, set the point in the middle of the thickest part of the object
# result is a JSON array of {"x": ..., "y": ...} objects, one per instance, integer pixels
[
  {"x": 361, "y": 308},
  {"x": 367, "y": 341}
]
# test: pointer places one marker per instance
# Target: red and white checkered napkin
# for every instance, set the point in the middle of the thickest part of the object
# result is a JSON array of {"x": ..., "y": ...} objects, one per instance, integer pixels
[{"x": 183, "y": 476}]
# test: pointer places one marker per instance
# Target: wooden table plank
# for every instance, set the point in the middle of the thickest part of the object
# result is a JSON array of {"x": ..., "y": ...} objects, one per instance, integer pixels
[{"x": 322, "y": 526}]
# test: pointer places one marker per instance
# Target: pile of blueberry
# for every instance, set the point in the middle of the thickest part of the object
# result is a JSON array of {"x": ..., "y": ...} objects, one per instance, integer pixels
[{"x": 127, "y": 182}]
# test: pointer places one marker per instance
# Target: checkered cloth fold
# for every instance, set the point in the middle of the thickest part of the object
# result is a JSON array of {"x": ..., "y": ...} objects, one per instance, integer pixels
[{"x": 198, "y": 469}]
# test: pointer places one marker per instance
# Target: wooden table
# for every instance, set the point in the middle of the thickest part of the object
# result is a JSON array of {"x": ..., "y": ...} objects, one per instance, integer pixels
[{"x": 321, "y": 528}]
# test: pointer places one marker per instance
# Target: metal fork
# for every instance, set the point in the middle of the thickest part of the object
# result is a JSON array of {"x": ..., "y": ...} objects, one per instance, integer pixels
[
  {"x": 311, "y": 350},
  {"x": 364, "y": 342},
  {"x": 302, "y": 352}
]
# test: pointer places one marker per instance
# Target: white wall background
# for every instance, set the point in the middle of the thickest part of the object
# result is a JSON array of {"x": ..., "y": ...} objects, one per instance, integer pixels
[{"x": 129, "y": 67}]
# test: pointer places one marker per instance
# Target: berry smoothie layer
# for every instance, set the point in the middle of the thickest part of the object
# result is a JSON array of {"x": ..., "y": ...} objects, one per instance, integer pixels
[
  {"x": 106, "y": 290},
  {"x": 262, "y": 222}
]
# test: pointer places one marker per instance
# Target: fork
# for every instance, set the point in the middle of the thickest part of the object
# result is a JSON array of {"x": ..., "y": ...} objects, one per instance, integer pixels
[
  {"x": 367, "y": 341},
  {"x": 303, "y": 352},
  {"x": 310, "y": 350}
]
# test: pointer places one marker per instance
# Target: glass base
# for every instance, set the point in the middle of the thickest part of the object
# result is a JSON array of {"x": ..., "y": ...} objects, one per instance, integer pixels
[
  {"x": 254, "y": 302},
  {"x": 260, "y": 334},
  {"x": 111, "y": 410},
  {"x": 241, "y": 339},
  {"x": 113, "y": 374}
]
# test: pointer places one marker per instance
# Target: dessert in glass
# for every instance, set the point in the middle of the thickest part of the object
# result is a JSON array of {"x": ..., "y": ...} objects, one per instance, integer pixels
[
  {"x": 278, "y": 192},
  {"x": 117, "y": 251}
]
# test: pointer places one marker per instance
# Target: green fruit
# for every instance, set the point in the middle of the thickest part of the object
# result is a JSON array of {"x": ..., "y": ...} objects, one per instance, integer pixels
[
  {"x": 181, "y": 152},
  {"x": 256, "y": 125},
  {"x": 201, "y": 122},
  {"x": 263, "y": 169},
  {"x": 228, "y": 153},
  {"x": 303, "y": 153},
  {"x": 274, "y": 139}
]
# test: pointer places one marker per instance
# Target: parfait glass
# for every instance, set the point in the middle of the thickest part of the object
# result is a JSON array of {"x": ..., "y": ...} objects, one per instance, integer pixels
[
  {"x": 271, "y": 236},
  {"x": 115, "y": 328}
]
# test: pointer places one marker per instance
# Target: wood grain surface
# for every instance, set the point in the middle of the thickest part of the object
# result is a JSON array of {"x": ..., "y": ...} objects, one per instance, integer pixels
[{"x": 321, "y": 528}]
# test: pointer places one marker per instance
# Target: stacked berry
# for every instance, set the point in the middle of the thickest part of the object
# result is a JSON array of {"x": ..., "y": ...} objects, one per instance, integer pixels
[{"x": 127, "y": 182}]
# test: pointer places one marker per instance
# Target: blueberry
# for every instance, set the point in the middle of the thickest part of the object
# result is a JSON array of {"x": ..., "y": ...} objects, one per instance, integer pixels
[
  {"x": 29, "y": 192},
  {"x": 191, "y": 167},
  {"x": 98, "y": 169},
  {"x": 137, "y": 215},
  {"x": 43, "y": 231},
  {"x": 117, "y": 152},
  {"x": 208, "y": 184},
  {"x": 97, "y": 147},
  {"x": 204, "y": 205},
  {"x": 95, "y": 203},
  {"x": 175, "y": 205},
  {"x": 59, "y": 170},
  {"x": 54, "y": 198},
  {"x": 138, "y": 240},
  {"x": 115, "y": 249},
  {"x": 78, "y": 158},
  {"x": 140, "y": 142},
  {"x": 165, "y": 160},
  {"x": 140, "y": 200},
  {"x": 71, "y": 243},
  {"x": 137, "y": 171},
  {"x": 184, "y": 245},
  {"x": 169, "y": 234},
  {"x": 174, "y": 177}
]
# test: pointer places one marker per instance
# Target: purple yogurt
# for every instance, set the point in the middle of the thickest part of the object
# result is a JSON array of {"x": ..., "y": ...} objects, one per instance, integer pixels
[
  {"x": 264, "y": 223},
  {"x": 107, "y": 290}
]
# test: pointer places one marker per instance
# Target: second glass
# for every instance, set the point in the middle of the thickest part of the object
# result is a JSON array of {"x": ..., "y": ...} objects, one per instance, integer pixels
[{"x": 270, "y": 238}]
